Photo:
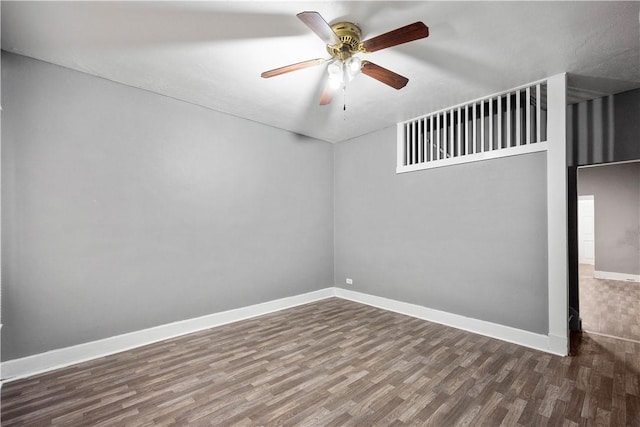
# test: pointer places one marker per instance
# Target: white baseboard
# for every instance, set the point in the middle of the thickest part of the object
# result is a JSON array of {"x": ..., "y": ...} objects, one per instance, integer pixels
[
  {"x": 549, "y": 344},
  {"x": 608, "y": 275},
  {"x": 557, "y": 345},
  {"x": 60, "y": 358}
]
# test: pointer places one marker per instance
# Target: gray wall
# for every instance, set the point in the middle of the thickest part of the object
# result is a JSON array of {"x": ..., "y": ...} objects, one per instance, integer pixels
[
  {"x": 616, "y": 191},
  {"x": 123, "y": 209},
  {"x": 469, "y": 239}
]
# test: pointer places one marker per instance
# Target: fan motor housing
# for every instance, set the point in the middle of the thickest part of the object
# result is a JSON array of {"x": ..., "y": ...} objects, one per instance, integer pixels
[{"x": 349, "y": 35}]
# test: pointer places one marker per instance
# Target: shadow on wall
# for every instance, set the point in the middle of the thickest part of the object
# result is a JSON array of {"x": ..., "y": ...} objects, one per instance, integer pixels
[{"x": 604, "y": 130}]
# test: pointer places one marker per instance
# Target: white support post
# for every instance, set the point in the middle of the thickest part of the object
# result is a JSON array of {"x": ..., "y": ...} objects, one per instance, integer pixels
[{"x": 557, "y": 230}]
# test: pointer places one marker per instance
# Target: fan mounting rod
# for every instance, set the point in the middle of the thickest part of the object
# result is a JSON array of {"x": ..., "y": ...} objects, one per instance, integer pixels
[{"x": 349, "y": 35}]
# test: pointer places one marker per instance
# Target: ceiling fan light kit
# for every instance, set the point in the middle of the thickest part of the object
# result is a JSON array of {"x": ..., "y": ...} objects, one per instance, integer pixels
[
  {"x": 343, "y": 42},
  {"x": 341, "y": 72}
]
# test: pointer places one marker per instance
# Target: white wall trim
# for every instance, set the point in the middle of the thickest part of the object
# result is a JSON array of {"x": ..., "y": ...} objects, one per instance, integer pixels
[
  {"x": 469, "y": 158},
  {"x": 609, "y": 275},
  {"x": 60, "y": 358},
  {"x": 549, "y": 344}
]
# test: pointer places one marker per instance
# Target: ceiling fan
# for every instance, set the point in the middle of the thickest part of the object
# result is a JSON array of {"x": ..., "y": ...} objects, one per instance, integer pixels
[{"x": 343, "y": 42}]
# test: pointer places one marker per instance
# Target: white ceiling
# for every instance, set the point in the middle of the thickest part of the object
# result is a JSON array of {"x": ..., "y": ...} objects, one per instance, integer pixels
[{"x": 212, "y": 53}]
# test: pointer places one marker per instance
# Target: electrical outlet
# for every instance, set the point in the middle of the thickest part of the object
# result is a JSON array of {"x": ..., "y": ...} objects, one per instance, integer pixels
[{"x": 349, "y": 281}]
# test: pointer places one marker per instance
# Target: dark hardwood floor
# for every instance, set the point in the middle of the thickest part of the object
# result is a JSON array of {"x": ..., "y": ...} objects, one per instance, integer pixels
[
  {"x": 610, "y": 307},
  {"x": 336, "y": 362}
]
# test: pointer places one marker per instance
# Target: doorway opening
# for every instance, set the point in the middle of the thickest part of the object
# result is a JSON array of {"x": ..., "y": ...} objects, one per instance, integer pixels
[{"x": 609, "y": 249}]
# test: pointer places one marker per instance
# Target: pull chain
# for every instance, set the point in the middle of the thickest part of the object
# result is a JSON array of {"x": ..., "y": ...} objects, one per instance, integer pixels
[{"x": 344, "y": 102}]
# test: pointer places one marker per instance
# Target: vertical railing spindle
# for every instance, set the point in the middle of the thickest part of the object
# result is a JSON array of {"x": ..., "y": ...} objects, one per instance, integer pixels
[
  {"x": 437, "y": 136},
  {"x": 509, "y": 119},
  {"x": 518, "y": 119},
  {"x": 538, "y": 107},
  {"x": 466, "y": 128},
  {"x": 411, "y": 143},
  {"x": 431, "y": 137},
  {"x": 452, "y": 136},
  {"x": 459, "y": 146},
  {"x": 528, "y": 116},
  {"x": 406, "y": 144},
  {"x": 499, "y": 121},
  {"x": 491, "y": 144},
  {"x": 475, "y": 129},
  {"x": 443, "y": 136},
  {"x": 482, "y": 126}
]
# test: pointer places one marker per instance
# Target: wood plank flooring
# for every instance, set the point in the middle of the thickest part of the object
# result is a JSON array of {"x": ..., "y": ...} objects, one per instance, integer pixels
[
  {"x": 336, "y": 362},
  {"x": 610, "y": 307}
]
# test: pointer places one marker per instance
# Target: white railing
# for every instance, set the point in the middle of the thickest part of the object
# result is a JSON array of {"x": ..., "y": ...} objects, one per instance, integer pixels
[{"x": 505, "y": 124}]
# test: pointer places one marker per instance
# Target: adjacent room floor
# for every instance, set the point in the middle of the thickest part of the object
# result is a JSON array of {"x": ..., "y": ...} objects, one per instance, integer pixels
[
  {"x": 336, "y": 362},
  {"x": 609, "y": 307}
]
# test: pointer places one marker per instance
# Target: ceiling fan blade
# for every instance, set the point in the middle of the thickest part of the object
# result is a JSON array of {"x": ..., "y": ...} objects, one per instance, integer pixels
[
  {"x": 318, "y": 25},
  {"x": 405, "y": 34},
  {"x": 292, "y": 67},
  {"x": 327, "y": 94},
  {"x": 383, "y": 75}
]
